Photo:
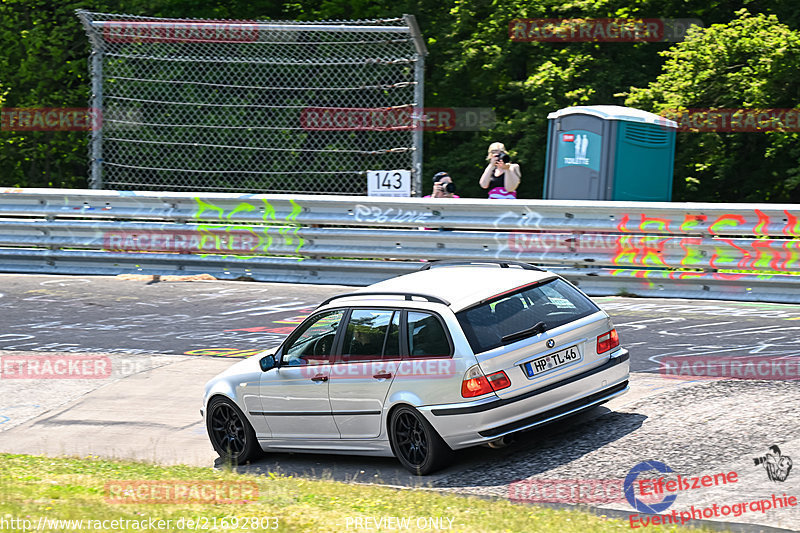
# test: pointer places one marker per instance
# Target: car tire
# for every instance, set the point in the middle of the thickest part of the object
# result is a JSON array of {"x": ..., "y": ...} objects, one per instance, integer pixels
[
  {"x": 415, "y": 443},
  {"x": 230, "y": 432}
]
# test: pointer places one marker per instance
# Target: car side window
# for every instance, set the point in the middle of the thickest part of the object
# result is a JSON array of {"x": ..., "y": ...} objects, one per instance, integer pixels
[
  {"x": 426, "y": 336},
  {"x": 370, "y": 333},
  {"x": 314, "y": 343},
  {"x": 392, "y": 348}
]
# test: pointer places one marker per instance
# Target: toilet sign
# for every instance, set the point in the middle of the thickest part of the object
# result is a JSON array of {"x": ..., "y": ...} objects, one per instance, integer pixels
[{"x": 579, "y": 148}]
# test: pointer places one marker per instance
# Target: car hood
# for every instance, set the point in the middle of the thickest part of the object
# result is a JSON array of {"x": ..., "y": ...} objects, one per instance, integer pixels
[{"x": 246, "y": 366}]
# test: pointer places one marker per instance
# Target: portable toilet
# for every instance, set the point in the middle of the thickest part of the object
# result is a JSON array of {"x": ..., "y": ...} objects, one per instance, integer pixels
[{"x": 609, "y": 152}]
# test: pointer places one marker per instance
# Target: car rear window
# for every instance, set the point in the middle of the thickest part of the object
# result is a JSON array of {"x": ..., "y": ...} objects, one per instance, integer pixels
[
  {"x": 426, "y": 336},
  {"x": 554, "y": 302}
]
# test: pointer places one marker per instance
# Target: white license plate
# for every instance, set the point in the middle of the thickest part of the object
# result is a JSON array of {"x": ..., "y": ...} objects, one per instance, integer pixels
[{"x": 551, "y": 361}]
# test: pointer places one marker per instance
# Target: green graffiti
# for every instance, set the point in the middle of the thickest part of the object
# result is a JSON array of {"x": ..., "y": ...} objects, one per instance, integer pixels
[
  {"x": 692, "y": 257},
  {"x": 722, "y": 255},
  {"x": 791, "y": 250},
  {"x": 762, "y": 228},
  {"x": 763, "y": 260},
  {"x": 290, "y": 237},
  {"x": 661, "y": 224},
  {"x": 652, "y": 258},
  {"x": 202, "y": 206},
  {"x": 300, "y": 241},
  {"x": 296, "y": 210},
  {"x": 215, "y": 238},
  {"x": 653, "y": 247},
  {"x": 726, "y": 221},
  {"x": 625, "y": 253},
  {"x": 689, "y": 225},
  {"x": 239, "y": 208},
  {"x": 269, "y": 211}
]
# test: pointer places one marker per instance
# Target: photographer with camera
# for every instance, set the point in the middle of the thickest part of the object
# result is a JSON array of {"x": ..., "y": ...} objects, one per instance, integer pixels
[
  {"x": 443, "y": 186},
  {"x": 501, "y": 176}
]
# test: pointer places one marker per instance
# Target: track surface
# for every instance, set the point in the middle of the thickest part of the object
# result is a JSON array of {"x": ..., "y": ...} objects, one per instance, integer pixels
[
  {"x": 108, "y": 315},
  {"x": 167, "y": 338}
]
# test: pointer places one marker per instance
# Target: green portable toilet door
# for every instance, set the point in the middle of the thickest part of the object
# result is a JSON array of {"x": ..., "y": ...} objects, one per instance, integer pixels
[
  {"x": 578, "y": 163},
  {"x": 643, "y": 163}
]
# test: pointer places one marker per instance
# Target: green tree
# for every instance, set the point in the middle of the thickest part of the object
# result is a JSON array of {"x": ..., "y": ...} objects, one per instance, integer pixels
[
  {"x": 477, "y": 64},
  {"x": 44, "y": 64},
  {"x": 741, "y": 60},
  {"x": 751, "y": 62}
]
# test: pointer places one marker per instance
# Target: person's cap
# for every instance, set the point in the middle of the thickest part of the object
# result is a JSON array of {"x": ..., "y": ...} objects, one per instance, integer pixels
[{"x": 439, "y": 175}]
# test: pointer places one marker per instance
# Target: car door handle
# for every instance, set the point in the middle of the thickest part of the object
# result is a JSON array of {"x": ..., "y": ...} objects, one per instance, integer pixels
[
  {"x": 320, "y": 378},
  {"x": 385, "y": 375}
]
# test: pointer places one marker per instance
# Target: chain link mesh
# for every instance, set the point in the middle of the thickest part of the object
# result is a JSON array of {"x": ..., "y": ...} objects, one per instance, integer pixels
[{"x": 229, "y": 105}]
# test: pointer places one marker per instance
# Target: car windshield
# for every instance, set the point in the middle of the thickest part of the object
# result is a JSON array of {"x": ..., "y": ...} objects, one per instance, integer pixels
[{"x": 494, "y": 323}]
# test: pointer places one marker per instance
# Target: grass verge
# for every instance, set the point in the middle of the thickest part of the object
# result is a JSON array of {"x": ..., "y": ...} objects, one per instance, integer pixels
[{"x": 38, "y": 491}]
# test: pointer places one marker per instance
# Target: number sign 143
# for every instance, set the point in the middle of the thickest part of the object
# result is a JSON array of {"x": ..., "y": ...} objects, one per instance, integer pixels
[{"x": 389, "y": 182}]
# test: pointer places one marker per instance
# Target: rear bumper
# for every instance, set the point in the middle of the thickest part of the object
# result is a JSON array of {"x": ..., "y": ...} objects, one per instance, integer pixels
[{"x": 466, "y": 424}]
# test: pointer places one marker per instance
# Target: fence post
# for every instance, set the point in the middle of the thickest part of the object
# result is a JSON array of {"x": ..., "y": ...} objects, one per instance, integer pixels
[
  {"x": 96, "y": 104},
  {"x": 419, "y": 101}
]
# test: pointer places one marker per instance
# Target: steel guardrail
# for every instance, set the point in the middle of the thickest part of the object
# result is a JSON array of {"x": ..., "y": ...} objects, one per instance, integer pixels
[{"x": 736, "y": 251}]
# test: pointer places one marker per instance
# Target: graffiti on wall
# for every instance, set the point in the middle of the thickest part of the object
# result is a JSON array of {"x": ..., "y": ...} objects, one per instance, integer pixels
[
  {"x": 724, "y": 241},
  {"x": 218, "y": 234}
]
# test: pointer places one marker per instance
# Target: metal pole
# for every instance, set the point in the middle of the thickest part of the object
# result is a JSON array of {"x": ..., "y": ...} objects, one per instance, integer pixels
[
  {"x": 200, "y": 25},
  {"x": 96, "y": 151},
  {"x": 419, "y": 99}
]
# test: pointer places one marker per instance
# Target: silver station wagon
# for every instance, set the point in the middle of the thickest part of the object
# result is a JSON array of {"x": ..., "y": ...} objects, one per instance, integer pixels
[{"x": 455, "y": 355}]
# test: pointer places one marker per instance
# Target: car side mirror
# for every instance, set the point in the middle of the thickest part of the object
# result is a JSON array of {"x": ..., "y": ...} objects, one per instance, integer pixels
[{"x": 268, "y": 363}]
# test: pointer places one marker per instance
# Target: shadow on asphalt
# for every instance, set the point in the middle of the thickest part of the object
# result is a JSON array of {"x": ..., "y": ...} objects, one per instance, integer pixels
[{"x": 533, "y": 452}]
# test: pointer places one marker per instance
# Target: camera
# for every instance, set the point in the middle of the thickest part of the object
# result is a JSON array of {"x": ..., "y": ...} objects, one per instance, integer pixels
[
  {"x": 504, "y": 157},
  {"x": 446, "y": 187}
]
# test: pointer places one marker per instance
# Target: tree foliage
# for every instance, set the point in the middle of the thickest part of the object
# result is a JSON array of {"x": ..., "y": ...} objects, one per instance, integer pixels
[
  {"x": 751, "y": 62},
  {"x": 740, "y": 60}
]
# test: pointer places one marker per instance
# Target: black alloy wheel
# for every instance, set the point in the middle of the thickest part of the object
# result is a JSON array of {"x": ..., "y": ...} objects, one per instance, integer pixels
[
  {"x": 231, "y": 434},
  {"x": 415, "y": 443}
]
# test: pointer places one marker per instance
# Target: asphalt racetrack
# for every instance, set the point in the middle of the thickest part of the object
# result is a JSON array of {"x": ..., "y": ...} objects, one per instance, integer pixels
[{"x": 165, "y": 339}]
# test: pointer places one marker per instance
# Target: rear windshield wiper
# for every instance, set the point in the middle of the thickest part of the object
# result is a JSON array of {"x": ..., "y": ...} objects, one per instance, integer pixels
[{"x": 539, "y": 327}]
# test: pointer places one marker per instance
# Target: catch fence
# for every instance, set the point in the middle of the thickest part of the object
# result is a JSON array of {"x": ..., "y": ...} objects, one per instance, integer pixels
[{"x": 253, "y": 106}]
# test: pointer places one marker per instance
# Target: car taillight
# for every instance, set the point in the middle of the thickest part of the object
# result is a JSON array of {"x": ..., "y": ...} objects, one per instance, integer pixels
[
  {"x": 476, "y": 383},
  {"x": 607, "y": 341}
]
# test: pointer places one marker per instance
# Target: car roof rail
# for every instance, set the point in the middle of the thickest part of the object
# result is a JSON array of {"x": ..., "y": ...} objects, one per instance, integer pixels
[
  {"x": 457, "y": 262},
  {"x": 407, "y": 295}
]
